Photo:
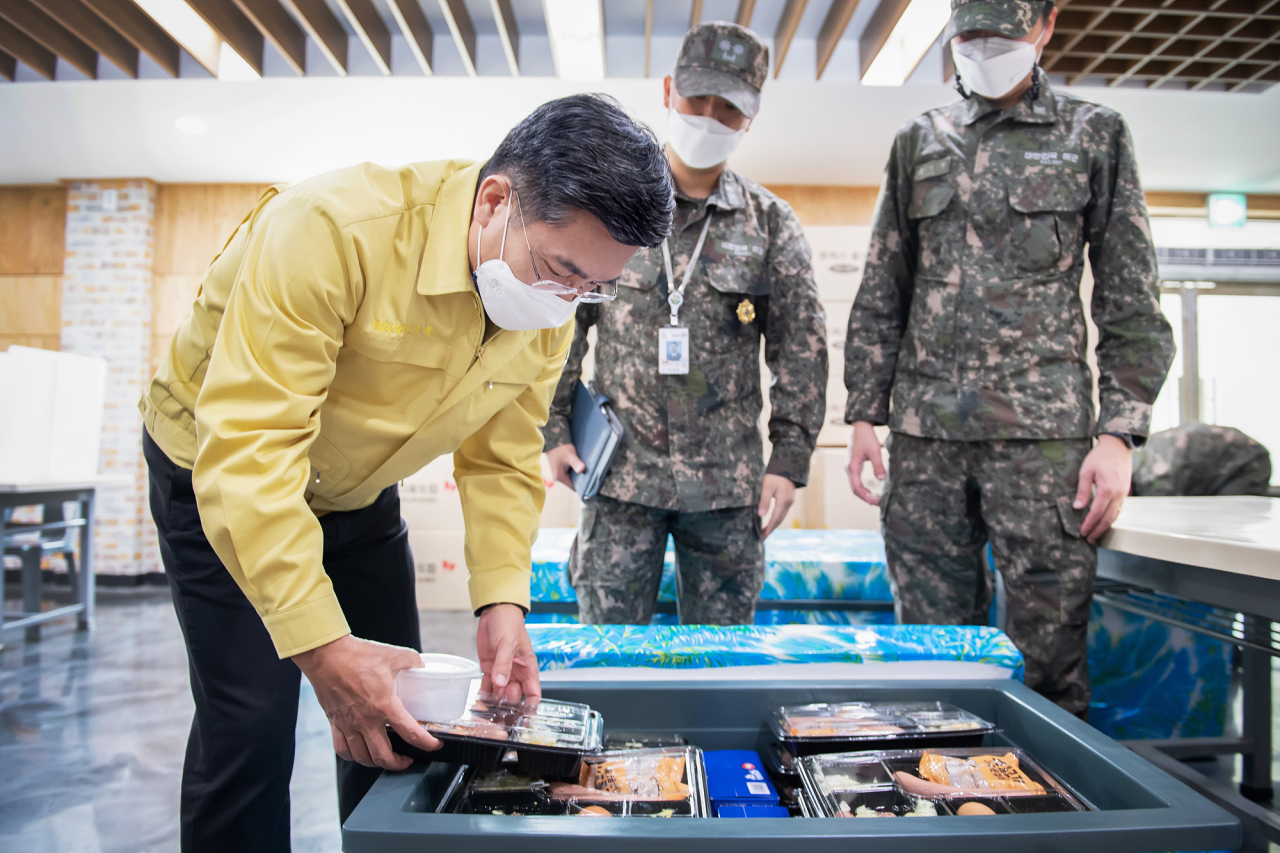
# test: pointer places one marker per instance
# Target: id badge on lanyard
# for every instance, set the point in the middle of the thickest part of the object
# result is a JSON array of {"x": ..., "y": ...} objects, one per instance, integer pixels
[
  {"x": 673, "y": 339},
  {"x": 673, "y": 349}
]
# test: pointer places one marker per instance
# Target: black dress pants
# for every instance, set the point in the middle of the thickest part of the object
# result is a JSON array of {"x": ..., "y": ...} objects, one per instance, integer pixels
[{"x": 235, "y": 779}]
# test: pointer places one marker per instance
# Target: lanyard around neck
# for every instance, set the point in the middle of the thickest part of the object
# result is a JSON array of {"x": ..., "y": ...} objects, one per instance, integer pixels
[{"x": 676, "y": 296}]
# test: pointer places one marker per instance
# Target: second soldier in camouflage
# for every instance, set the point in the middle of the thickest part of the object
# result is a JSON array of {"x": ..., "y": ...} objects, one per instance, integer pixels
[
  {"x": 967, "y": 338},
  {"x": 692, "y": 461}
]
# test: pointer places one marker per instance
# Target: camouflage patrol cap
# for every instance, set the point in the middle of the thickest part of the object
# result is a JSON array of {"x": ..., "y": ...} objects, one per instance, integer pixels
[
  {"x": 1010, "y": 18},
  {"x": 720, "y": 58}
]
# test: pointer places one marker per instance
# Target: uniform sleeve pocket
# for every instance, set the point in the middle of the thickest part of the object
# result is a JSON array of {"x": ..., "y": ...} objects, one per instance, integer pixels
[
  {"x": 1071, "y": 517},
  {"x": 930, "y": 199}
]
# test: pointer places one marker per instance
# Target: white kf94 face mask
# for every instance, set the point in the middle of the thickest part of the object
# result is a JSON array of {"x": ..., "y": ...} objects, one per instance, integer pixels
[
  {"x": 993, "y": 66},
  {"x": 701, "y": 142},
  {"x": 510, "y": 303}
]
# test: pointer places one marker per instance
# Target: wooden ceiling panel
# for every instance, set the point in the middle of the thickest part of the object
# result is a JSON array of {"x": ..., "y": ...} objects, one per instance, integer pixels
[
  {"x": 31, "y": 53},
  {"x": 142, "y": 32},
  {"x": 87, "y": 26},
  {"x": 51, "y": 35},
  {"x": 1195, "y": 43}
]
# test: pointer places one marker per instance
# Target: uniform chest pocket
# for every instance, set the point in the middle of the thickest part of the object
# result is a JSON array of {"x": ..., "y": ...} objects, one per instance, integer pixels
[{"x": 1045, "y": 220}]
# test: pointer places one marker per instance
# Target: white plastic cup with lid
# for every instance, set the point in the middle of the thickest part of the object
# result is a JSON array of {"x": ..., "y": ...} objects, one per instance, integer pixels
[{"x": 437, "y": 691}]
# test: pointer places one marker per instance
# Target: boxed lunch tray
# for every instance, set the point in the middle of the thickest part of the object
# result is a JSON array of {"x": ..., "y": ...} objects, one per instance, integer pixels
[
  {"x": 933, "y": 783},
  {"x": 854, "y": 726},
  {"x": 548, "y": 738},
  {"x": 668, "y": 782}
]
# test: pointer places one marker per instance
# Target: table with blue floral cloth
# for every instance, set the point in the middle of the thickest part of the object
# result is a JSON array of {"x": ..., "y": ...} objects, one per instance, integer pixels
[
  {"x": 1150, "y": 680},
  {"x": 829, "y": 565},
  {"x": 704, "y": 646}
]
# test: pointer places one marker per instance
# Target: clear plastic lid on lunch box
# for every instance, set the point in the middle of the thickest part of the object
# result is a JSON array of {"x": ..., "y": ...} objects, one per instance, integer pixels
[
  {"x": 546, "y": 722},
  {"x": 664, "y": 782},
  {"x": 874, "y": 721},
  {"x": 548, "y": 737},
  {"x": 929, "y": 782}
]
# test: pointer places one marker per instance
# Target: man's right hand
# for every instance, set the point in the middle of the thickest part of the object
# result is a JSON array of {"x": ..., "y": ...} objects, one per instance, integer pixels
[
  {"x": 562, "y": 459},
  {"x": 864, "y": 447},
  {"x": 355, "y": 681}
]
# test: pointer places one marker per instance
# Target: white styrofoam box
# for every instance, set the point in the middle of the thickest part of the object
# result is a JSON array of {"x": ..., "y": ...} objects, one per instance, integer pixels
[
  {"x": 429, "y": 499},
  {"x": 51, "y": 414},
  {"x": 842, "y": 509},
  {"x": 440, "y": 569},
  {"x": 838, "y": 254},
  {"x": 835, "y": 432}
]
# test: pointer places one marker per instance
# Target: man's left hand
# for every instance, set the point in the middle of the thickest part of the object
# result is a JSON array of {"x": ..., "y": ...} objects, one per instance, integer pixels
[
  {"x": 507, "y": 658},
  {"x": 781, "y": 493},
  {"x": 1106, "y": 473}
]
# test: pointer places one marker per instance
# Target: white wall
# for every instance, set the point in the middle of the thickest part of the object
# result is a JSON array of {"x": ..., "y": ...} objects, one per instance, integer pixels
[{"x": 834, "y": 131}]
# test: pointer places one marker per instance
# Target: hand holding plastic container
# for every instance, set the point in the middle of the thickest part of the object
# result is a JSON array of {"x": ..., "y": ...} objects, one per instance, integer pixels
[{"x": 437, "y": 691}]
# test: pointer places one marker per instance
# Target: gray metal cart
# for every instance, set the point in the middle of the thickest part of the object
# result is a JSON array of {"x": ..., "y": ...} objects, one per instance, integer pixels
[{"x": 1141, "y": 809}]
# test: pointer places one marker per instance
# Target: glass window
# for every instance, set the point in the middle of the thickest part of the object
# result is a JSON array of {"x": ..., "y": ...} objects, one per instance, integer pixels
[{"x": 1240, "y": 366}]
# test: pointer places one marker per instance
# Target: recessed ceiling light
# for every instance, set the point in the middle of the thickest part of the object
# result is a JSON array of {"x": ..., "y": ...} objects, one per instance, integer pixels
[
  {"x": 910, "y": 40},
  {"x": 576, "y": 30},
  {"x": 231, "y": 66},
  {"x": 192, "y": 125},
  {"x": 187, "y": 28}
]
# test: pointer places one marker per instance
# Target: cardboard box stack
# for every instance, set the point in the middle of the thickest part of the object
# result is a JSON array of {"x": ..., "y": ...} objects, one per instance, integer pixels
[{"x": 432, "y": 509}]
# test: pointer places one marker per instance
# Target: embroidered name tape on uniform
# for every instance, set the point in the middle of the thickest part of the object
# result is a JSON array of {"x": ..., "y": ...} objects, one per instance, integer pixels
[
  {"x": 1028, "y": 152},
  {"x": 1051, "y": 157},
  {"x": 932, "y": 169},
  {"x": 740, "y": 247}
]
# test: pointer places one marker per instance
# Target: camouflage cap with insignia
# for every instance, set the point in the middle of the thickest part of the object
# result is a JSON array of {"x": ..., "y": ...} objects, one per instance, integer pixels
[
  {"x": 1009, "y": 18},
  {"x": 720, "y": 58}
]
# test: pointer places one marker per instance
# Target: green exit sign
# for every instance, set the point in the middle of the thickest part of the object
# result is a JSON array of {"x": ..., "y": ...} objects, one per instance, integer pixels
[{"x": 1228, "y": 210}]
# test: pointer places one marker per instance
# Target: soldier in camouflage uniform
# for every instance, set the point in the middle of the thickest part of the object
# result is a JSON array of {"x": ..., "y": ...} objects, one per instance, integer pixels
[
  {"x": 967, "y": 338},
  {"x": 1201, "y": 459},
  {"x": 692, "y": 463}
]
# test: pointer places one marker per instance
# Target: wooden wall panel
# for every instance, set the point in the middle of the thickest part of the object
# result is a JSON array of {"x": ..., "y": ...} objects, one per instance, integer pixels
[
  {"x": 31, "y": 305},
  {"x": 33, "y": 222},
  {"x": 51, "y": 342},
  {"x": 819, "y": 205},
  {"x": 193, "y": 222},
  {"x": 171, "y": 297}
]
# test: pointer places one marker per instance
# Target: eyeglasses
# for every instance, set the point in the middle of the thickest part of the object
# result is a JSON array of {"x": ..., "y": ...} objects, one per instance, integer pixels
[{"x": 588, "y": 291}]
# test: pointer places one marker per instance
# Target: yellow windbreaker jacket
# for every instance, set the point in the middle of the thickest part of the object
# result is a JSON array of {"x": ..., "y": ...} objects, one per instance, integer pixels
[{"x": 335, "y": 347}]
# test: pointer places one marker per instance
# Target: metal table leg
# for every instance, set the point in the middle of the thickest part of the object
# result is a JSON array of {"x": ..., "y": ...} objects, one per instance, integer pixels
[
  {"x": 31, "y": 588},
  {"x": 88, "y": 588},
  {"x": 1255, "y": 777}
]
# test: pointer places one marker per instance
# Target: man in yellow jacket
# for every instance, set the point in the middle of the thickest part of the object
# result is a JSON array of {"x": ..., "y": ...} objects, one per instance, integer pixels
[{"x": 356, "y": 326}]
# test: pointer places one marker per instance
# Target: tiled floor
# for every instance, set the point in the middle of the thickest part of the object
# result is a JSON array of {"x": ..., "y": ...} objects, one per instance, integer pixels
[{"x": 93, "y": 727}]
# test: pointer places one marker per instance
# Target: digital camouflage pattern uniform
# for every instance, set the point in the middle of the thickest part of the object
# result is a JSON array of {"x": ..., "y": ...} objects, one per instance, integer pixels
[
  {"x": 1201, "y": 459},
  {"x": 967, "y": 337},
  {"x": 692, "y": 460}
]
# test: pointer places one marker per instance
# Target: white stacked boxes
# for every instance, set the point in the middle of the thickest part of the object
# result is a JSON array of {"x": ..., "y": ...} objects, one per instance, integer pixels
[{"x": 432, "y": 509}]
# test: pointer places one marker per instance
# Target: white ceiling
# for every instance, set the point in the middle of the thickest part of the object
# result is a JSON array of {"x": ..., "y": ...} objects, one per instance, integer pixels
[{"x": 832, "y": 131}]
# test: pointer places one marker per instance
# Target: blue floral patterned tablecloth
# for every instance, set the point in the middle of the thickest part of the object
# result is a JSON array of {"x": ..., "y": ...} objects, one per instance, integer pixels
[
  {"x": 799, "y": 564},
  {"x": 1153, "y": 680},
  {"x": 701, "y": 646},
  {"x": 1150, "y": 680}
]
